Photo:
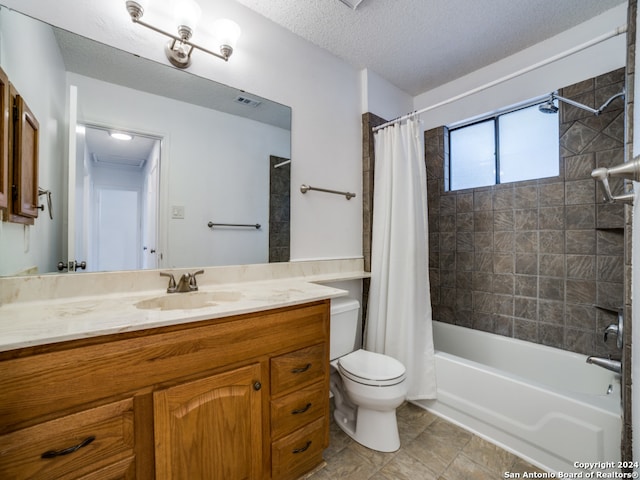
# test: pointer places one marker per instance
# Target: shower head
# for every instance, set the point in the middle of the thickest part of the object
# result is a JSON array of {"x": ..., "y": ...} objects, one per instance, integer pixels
[{"x": 548, "y": 106}]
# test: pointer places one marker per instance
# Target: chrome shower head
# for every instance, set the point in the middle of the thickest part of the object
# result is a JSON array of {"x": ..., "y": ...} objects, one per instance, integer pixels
[{"x": 548, "y": 106}]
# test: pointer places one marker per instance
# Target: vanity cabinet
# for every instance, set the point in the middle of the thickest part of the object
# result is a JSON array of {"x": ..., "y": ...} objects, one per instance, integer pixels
[
  {"x": 5, "y": 110},
  {"x": 238, "y": 397},
  {"x": 19, "y": 145},
  {"x": 25, "y": 161}
]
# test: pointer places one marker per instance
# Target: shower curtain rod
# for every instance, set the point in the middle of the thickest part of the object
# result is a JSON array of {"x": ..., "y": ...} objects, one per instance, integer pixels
[{"x": 606, "y": 36}]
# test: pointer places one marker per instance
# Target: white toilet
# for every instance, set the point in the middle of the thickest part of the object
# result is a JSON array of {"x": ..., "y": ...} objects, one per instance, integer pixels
[{"x": 367, "y": 387}]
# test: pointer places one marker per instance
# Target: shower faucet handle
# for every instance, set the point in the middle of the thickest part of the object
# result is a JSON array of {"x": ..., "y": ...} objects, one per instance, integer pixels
[
  {"x": 602, "y": 175},
  {"x": 617, "y": 329}
]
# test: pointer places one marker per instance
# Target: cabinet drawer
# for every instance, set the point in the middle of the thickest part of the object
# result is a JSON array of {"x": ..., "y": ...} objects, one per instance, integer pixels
[
  {"x": 299, "y": 367},
  {"x": 111, "y": 426},
  {"x": 292, "y": 411},
  {"x": 299, "y": 452}
]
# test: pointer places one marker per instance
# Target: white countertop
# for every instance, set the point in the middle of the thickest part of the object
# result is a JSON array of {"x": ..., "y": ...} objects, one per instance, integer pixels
[{"x": 24, "y": 324}]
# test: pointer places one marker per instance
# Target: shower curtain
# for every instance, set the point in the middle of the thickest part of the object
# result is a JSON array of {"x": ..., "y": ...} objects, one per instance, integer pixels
[{"x": 399, "y": 310}]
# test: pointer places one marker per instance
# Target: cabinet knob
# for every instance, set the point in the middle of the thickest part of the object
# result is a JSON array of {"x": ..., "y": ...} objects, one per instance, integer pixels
[{"x": 257, "y": 386}]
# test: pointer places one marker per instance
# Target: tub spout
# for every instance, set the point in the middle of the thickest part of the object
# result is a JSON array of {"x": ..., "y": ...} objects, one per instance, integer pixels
[{"x": 608, "y": 363}]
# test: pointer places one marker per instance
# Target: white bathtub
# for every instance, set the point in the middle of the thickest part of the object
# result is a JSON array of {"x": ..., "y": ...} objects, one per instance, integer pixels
[{"x": 544, "y": 404}]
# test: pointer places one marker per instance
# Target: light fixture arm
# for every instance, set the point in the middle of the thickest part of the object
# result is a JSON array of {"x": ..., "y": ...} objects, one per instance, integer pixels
[{"x": 136, "y": 11}]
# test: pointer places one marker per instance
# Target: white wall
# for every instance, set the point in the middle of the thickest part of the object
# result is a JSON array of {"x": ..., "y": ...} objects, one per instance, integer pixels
[
  {"x": 383, "y": 98},
  {"x": 38, "y": 246},
  {"x": 597, "y": 60},
  {"x": 213, "y": 164},
  {"x": 271, "y": 62}
]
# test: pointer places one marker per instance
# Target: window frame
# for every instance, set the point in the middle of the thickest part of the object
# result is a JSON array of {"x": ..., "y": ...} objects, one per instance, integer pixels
[{"x": 495, "y": 117}]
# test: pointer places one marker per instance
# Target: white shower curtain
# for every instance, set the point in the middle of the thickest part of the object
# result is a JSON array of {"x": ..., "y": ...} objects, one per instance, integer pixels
[{"x": 399, "y": 313}]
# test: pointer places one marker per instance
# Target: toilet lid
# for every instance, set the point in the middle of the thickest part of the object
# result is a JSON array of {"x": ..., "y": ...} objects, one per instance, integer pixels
[{"x": 372, "y": 368}]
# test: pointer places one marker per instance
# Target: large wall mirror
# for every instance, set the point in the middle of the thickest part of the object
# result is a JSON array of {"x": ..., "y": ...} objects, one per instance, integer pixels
[{"x": 201, "y": 177}]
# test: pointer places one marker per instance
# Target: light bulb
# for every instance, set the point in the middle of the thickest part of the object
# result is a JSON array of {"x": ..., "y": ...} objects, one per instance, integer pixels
[
  {"x": 226, "y": 32},
  {"x": 187, "y": 13},
  {"x": 120, "y": 136}
]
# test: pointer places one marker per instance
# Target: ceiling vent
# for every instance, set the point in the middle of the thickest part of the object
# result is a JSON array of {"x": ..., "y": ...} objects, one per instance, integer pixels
[
  {"x": 352, "y": 4},
  {"x": 250, "y": 102}
]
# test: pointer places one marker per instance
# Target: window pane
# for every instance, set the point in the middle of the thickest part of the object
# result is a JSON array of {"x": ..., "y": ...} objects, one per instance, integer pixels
[
  {"x": 472, "y": 156},
  {"x": 528, "y": 142}
]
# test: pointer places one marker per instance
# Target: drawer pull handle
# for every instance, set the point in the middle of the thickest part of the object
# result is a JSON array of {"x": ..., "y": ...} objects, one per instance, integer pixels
[
  {"x": 301, "y": 410},
  {"x": 67, "y": 451},
  {"x": 301, "y": 370},
  {"x": 303, "y": 449}
]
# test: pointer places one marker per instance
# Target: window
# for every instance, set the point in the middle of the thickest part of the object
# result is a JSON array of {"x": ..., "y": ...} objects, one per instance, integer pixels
[{"x": 512, "y": 146}]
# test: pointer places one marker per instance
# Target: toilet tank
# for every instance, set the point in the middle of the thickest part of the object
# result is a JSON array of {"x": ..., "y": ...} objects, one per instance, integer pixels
[{"x": 344, "y": 326}]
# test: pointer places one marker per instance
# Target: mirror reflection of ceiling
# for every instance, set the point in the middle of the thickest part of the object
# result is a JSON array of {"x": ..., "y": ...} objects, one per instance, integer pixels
[
  {"x": 96, "y": 60},
  {"x": 108, "y": 151}
]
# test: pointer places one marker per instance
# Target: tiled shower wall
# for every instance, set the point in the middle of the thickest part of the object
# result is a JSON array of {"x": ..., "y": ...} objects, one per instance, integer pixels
[
  {"x": 279, "y": 210},
  {"x": 532, "y": 260},
  {"x": 627, "y": 429}
]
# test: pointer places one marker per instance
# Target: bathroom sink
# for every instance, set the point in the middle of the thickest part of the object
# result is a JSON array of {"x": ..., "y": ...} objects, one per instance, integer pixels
[{"x": 188, "y": 301}]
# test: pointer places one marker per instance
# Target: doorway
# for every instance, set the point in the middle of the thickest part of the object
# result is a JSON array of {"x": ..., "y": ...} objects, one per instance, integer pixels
[{"x": 116, "y": 208}]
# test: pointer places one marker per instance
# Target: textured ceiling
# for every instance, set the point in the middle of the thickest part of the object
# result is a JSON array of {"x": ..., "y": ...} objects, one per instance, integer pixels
[{"x": 420, "y": 44}]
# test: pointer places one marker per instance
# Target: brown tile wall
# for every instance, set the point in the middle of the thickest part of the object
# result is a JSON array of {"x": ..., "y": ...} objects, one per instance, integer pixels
[
  {"x": 369, "y": 120},
  {"x": 531, "y": 259},
  {"x": 627, "y": 451},
  {"x": 279, "y": 210}
]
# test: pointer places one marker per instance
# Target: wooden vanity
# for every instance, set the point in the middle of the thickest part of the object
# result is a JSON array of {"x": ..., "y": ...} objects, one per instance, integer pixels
[{"x": 242, "y": 396}]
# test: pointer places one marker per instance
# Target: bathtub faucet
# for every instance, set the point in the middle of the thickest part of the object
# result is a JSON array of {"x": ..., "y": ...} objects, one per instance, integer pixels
[{"x": 608, "y": 363}]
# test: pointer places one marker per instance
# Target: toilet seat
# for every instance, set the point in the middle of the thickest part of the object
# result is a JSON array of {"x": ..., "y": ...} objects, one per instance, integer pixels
[{"x": 370, "y": 368}]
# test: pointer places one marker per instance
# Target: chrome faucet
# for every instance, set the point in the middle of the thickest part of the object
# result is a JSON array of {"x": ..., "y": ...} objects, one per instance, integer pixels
[
  {"x": 184, "y": 283},
  {"x": 187, "y": 282},
  {"x": 608, "y": 363}
]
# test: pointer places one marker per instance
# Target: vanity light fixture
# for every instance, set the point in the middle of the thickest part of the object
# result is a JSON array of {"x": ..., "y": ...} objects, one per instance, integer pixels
[{"x": 180, "y": 48}]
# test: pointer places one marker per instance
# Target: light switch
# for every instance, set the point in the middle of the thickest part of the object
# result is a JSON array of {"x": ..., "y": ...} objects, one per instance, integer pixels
[{"x": 177, "y": 211}]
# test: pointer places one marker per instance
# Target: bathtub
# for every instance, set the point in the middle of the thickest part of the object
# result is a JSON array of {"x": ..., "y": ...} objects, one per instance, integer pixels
[{"x": 544, "y": 404}]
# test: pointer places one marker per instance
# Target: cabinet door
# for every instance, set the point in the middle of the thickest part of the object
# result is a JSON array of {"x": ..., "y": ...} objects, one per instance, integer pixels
[
  {"x": 5, "y": 110},
  {"x": 26, "y": 161},
  {"x": 210, "y": 428}
]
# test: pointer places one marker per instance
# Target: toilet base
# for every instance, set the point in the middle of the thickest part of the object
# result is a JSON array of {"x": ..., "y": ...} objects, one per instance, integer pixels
[{"x": 372, "y": 429}]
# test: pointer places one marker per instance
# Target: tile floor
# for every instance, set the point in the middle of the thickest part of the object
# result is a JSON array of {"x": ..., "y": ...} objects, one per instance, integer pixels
[{"x": 432, "y": 449}]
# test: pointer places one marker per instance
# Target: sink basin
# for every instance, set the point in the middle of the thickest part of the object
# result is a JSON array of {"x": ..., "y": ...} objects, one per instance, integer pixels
[{"x": 188, "y": 301}]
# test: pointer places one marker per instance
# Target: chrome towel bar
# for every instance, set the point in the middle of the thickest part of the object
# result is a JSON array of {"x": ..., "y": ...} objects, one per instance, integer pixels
[
  {"x": 255, "y": 225},
  {"x": 306, "y": 188}
]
